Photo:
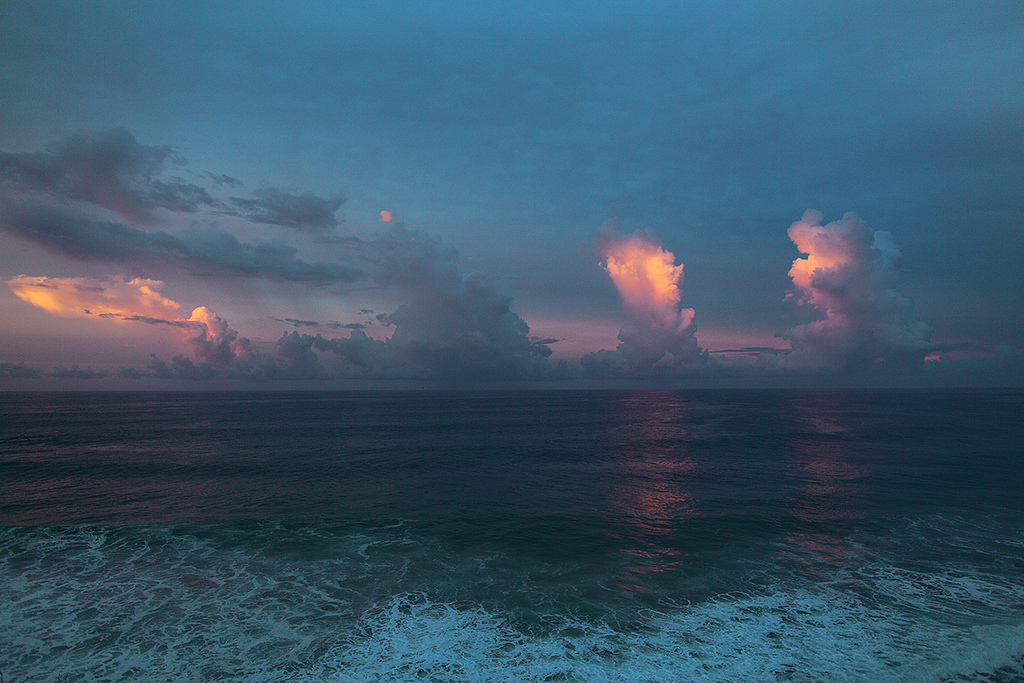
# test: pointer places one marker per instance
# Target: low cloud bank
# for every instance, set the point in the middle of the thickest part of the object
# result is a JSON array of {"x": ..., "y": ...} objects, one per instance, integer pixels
[{"x": 455, "y": 326}]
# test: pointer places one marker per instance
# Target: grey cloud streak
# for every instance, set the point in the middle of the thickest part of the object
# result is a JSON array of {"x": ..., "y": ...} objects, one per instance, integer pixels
[
  {"x": 201, "y": 252},
  {"x": 109, "y": 169},
  {"x": 43, "y": 194},
  {"x": 303, "y": 211}
]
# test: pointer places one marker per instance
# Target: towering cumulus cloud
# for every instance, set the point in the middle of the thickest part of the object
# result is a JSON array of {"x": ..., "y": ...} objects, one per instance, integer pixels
[
  {"x": 455, "y": 325},
  {"x": 849, "y": 273},
  {"x": 659, "y": 333}
]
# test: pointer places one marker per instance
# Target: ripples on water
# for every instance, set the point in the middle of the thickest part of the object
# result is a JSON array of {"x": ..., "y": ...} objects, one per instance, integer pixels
[{"x": 633, "y": 536}]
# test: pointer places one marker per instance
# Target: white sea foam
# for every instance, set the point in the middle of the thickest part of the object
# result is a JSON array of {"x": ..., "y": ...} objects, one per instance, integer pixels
[
  {"x": 777, "y": 637},
  {"x": 97, "y": 604}
]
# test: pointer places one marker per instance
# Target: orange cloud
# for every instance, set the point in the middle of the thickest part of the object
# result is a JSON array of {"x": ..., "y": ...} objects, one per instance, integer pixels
[
  {"x": 138, "y": 300},
  {"x": 658, "y": 336},
  {"x": 386, "y": 216},
  {"x": 85, "y": 297},
  {"x": 850, "y": 273},
  {"x": 825, "y": 246},
  {"x": 647, "y": 279}
]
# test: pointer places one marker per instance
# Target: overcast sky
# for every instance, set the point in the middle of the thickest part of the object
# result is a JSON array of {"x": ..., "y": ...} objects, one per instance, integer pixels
[{"x": 543, "y": 192}]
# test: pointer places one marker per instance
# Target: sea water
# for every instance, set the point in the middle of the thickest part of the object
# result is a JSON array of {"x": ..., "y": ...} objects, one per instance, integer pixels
[{"x": 512, "y": 536}]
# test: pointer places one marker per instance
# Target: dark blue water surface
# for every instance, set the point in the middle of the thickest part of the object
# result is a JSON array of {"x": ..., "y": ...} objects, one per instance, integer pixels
[{"x": 512, "y": 536}]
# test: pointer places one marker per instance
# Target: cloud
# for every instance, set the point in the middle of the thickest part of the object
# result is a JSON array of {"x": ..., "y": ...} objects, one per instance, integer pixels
[
  {"x": 85, "y": 297},
  {"x": 849, "y": 273},
  {"x": 456, "y": 324},
  {"x": 301, "y": 323},
  {"x": 138, "y": 300},
  {"x": 454, "y": 327},
  {"x": 363, "y": 354},
  {"x": 44, "y": 194},
  {"x": 201, "y": 252},
  {"x": 75, "y": 372},
  {"x": 658, "y": 337},
  {"x": 219, "y": 345},
  {"x": 180, "y": 368},
  {"x": 18, "y": 371},
  {"x": 109, "y": 169},
  {"x": 276, "y": 207}
]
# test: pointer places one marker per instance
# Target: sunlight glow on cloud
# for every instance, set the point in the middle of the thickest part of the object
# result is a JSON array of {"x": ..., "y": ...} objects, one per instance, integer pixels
[
  {"x": 850, "y": 274},
  {"x": 84, "y": 297},
  {"x": 647, "y": 279},
  {"x": 659, "y": 335},
  {"x": 453, "y": 325},
  {"x": 137, "y": 300},
  {"x": 823, "y": 246}
]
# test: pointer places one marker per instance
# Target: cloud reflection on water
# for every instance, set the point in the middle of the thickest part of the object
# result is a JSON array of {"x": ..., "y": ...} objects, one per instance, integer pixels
[
  {"x": 653, "y": 498},
  {"x": 821, "y": 463}
]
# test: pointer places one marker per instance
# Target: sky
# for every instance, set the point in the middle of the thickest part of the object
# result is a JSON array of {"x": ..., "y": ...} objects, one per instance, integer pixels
[{"x": 404, "y": 194}]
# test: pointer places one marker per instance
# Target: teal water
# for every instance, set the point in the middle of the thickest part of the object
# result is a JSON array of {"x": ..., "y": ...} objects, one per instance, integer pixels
[{"x": 516, "y": 536}]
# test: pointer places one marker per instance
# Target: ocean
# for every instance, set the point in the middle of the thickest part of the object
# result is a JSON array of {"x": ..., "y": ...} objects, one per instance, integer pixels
[{"x": 512, "y": 536}]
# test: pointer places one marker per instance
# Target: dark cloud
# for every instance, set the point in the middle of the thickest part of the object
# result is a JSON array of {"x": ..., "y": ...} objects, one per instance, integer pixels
[
  {"x": 181, "y": 367},
  {"x": 222, "y": 179},
  {"x": 179, "y": 196},
  {"x": 364, "y": 355},
  {"x": 18, "y": 371},
  {"x": 109, "y": 169},
  {"x": 455, "y": 325},
  {"x": 303, "y": 211},
  {"x": 298, "y": 359},
  {"x": 75, "y": 372},
  {"x": 30, "y": 171},
  {"x": 751, "y": 350},
  {"x": 299, "y": 323},
  {"x": 202, "y": 252},
  {"x": 112, "y": 170}
]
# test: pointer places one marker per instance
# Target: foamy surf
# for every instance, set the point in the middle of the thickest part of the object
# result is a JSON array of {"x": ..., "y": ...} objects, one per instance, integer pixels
[{"x": 156, "y": 603}]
